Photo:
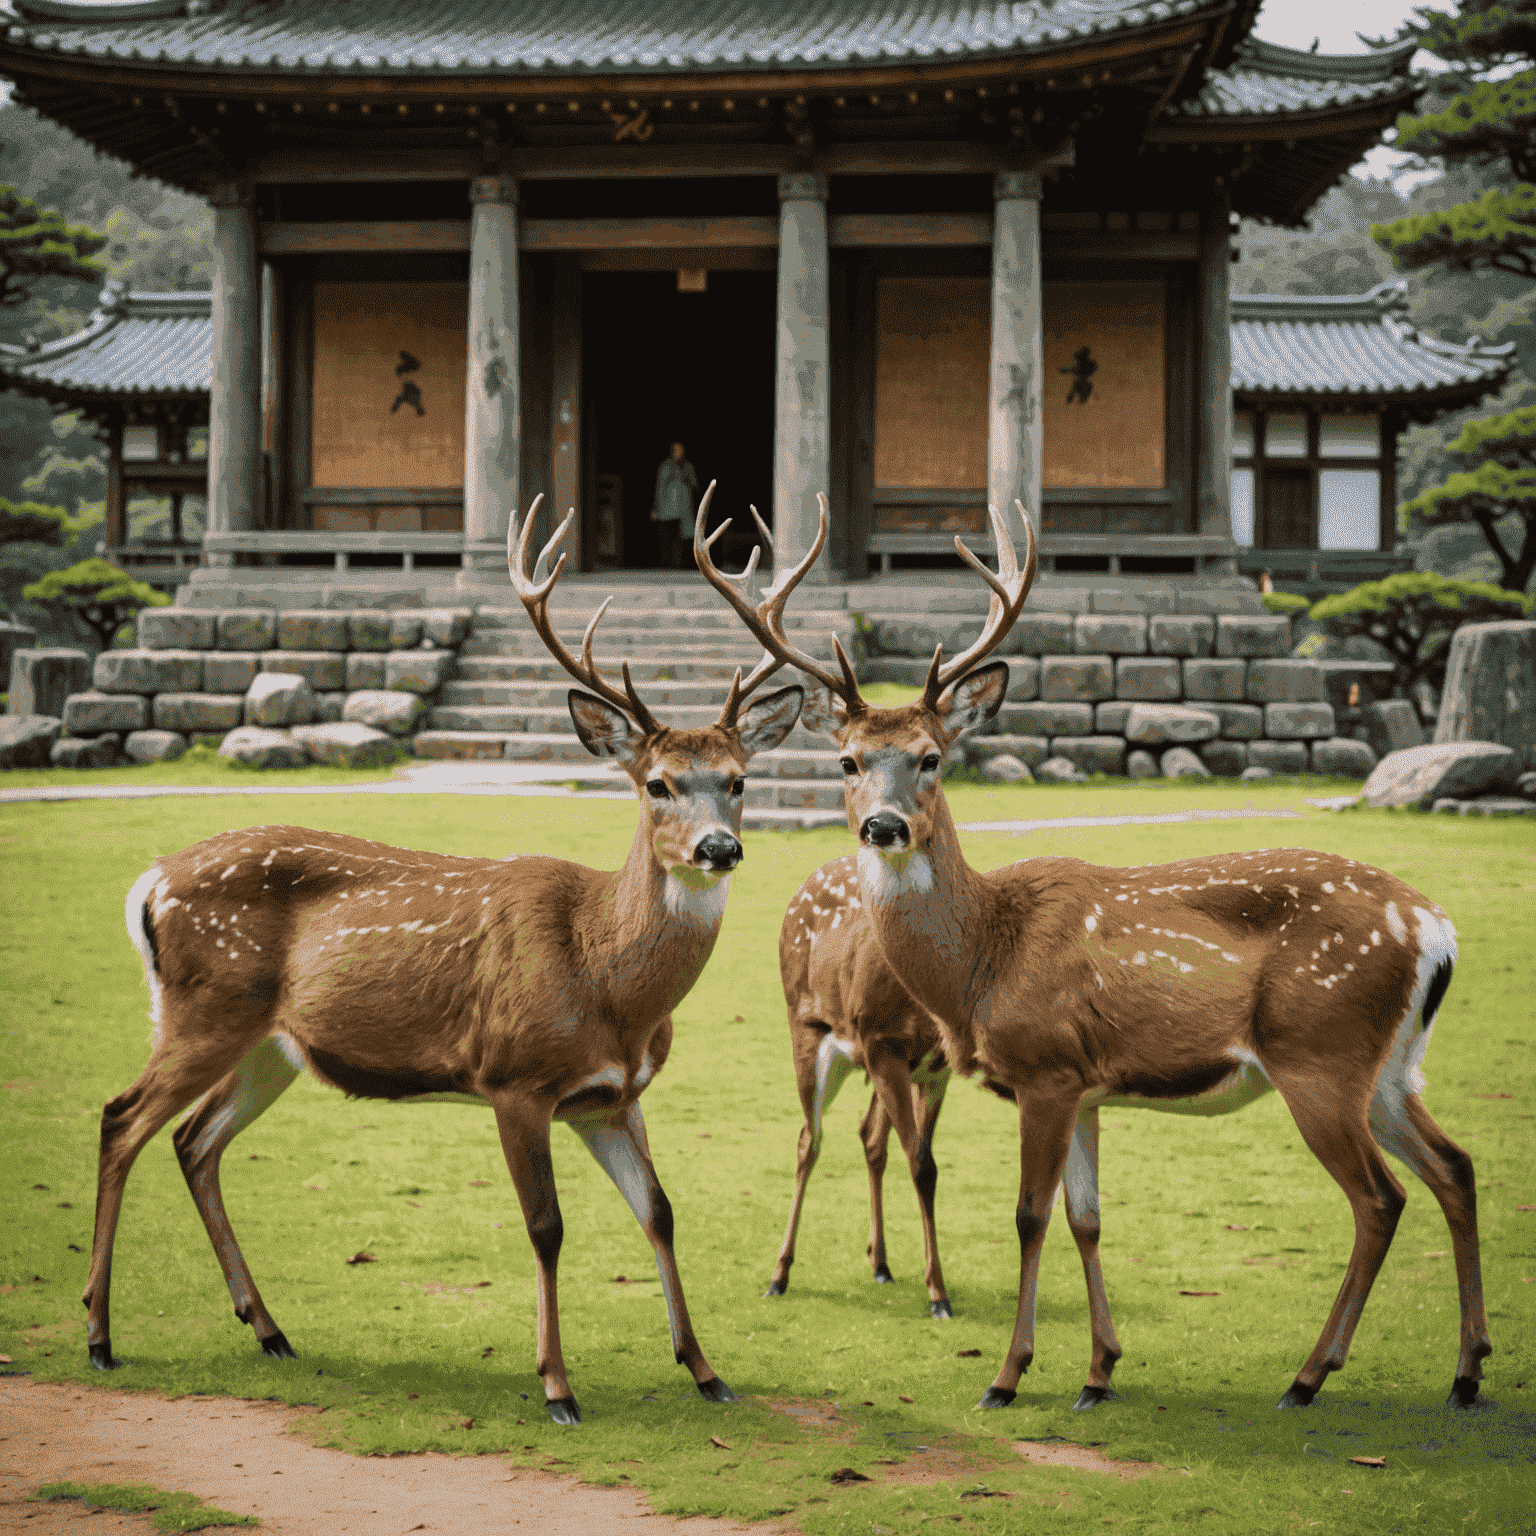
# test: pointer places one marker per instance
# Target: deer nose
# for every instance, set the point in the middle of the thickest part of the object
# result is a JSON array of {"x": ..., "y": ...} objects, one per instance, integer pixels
[
  {"x": 717, "y": 850},
  {"x": 885, "y": 829}
]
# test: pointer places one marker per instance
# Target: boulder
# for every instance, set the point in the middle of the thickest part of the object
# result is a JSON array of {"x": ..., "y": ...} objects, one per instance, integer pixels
[
  {"x": 1526, "y": 785},
  {"x": 1343, "y": 758},
  {"x": 1298, "y": 722},
  {"x": 254, "y": 746},
  {"x": 1226, "y": 759},
  {"x": 41, "y": 680},
  {"x": 1239, "y": 722},
  {"x": 405, "y": 629},
  {"x": 154, "y": 746},
  {"x": 330, "y": 706},
  {"x": 279, "y": 698},
  {"x": 1042, "y": 719},
  {"x": 386, "y": 709},
  {"x": 173, "y": 629},
  {"x": 89, "y": 714},
  {"x": 1392, "y": 725},
  {"x": 1154, "y": 725},
  {"x": 145, "y": 671},
  {"x": 26, "y": 740},
  {"x": 230, "y": 671},
  {"x": 1253, "y": 771},
  {"x": 368, "y": 629},
  {"x": 445, "y": 626},
  {"x": 312, "y": 629},
  {"x": 1490, "y": 688},
  {"x": 1279, "y": 756},
  {"x": 76, "y": 752},
  {"x": 1457, "y": 770},
  {"x": 1142, "y": 765},
  {"x": 365, "y": 669},
  {"x": 1092, "y": 754},
  {"x": 1005, "y": 768},
  {"x": 1060, "y": 770},
  {"x": 347, "y": 744},
  {"x": 417, "y": 671},
  {"x": 190, "y": 712},
  {"x": 1030, "y": 750},
  {"x": 325, "y": 670},
  {"x": 1181, "y": 763},
  {"x": 13, "y": 638}
]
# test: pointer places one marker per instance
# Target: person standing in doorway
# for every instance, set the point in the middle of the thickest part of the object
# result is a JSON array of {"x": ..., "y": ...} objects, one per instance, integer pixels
[{"x": 677, "y": 483}]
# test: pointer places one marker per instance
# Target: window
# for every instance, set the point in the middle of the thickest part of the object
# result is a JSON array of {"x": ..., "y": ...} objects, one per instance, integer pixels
[
  {"x": 1349, "y": 509},
  {"x": 1242, "y": 434},
  {"x": 1349, "y": 437},
  {"x": 141, "y": 445},
  {"x": 1242, "y": 507},
  {"x": 1285, "y": 436}
]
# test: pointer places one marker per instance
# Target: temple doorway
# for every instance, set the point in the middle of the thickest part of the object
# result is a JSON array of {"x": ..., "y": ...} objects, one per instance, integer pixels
[{"x": 664, "y": 366}]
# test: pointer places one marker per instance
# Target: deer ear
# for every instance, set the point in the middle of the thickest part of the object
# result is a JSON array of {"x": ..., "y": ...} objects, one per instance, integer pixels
[
  {"x": 604, "y": 730},
  {"x": 767, "y": 722},
  {"x": 968, "y": 704},
  {"x": 824, "y": 712}
]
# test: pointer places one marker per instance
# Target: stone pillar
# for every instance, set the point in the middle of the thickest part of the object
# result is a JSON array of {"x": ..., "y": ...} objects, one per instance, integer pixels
[
  {"x": 1213, "y": 394},
  {"x": 234, "y": 403},
  {"x": 803, "y": 398},
  {"x": 492, "y": 419}
]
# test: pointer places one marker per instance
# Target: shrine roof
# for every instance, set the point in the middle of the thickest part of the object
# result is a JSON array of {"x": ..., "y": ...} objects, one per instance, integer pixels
[
  {"x": 1355, "y": 345},
  {"x": 1266, "y": 80},
  {"x": 135, "y": 344}
]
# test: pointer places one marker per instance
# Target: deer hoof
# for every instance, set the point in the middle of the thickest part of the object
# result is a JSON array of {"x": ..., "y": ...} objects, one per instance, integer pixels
[
  {"x": 277, "y": 1345},
  {"x": 1464, "y": 1393},
  {"x": 1298, "y": 1395},
  {"x": 715, "y": 1391},
  {"x": 101, "y": 1357},
  {"x": 883, "y": 1275},
  {"x": 940, "y": 1308},
  {"x": 776, "y": 1288},
  {"x": 1091, "y": 1397},
  {"x": 996, "y": 1397},
  {"x": 563, "y": 1410}
]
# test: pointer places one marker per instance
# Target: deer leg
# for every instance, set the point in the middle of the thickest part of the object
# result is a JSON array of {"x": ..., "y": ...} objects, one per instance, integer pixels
[
  {"x": 875, "y": 1134},
  {"x": 1045, "y": 1137},
  {"x": 1447, "y": 1171},
  {"x": 200, "y": 1141},
  {"x": 525, "y": 1144},
  {"x": 831, "y": 1071},
  {"x": 622, "y": 1148},
  {"x": 1081, "y": 1184},
  {"x": 1336, "y": 1130}
]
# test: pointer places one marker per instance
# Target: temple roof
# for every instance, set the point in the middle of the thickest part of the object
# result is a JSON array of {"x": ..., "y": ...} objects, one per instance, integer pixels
[
  {"x": 1265, "y": 79},
  {"x": 1355, "y": 347}
]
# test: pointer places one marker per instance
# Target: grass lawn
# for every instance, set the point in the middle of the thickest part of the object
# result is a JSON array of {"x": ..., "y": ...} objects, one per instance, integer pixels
[{"x": 403, "y": 1351}]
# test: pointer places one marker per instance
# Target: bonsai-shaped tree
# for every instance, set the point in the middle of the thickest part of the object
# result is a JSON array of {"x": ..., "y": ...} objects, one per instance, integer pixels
[
  {"x": 105, "y": 597},
  {"x": 37, "y": 242},
  {"x": 33, "y": 522}
]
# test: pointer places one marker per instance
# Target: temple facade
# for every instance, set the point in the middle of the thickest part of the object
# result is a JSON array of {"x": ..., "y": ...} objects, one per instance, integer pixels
[{"x": 918, "y": 260}]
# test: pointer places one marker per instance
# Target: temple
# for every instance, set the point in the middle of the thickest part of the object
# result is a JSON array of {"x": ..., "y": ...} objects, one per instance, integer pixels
[{"x": 919, "y": 259}]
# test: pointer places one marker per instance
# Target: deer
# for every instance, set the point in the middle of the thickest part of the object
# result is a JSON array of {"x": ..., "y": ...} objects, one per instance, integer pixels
[
  {"x": 530, "y": 985},
  {"x": 1193, "y": 987}
]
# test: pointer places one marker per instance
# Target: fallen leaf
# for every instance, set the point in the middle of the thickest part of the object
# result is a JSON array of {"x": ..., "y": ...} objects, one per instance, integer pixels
[
  {"x": 465, "y": 1423},
  {"x": 420, "y": 1527},
  {"x": 487, "y": 1352},
  {"x": 1236, "y": 1226},
  {"x": 1199, "y": 1293},
  {"x": 1525, "y": 1207},
  {"x": 719, "y": 1444},
  {"x": 847, "y": 1475},
  {"x": 867, "y": 1403},
  {"x": 985, "y": 1493},
  {"x": 1493, "y": 1095},
  {"x": 362, "y": 1258},
  {"x": 479, "y": 1184},
  {"x": 621, "y": 1279},
  {"x": 39, "y": 1186},
  {"x": 739, "y": 1019},
  {"x": 968, "y": 1354},
  {"x": 1369, "y": 1461},
  {"x": 413, "y": 1395},
  {"x": 702, "y": 1135},
  {"x": 1528, "y": 1279},
  {"x": 901, "y": 1399},
  {"x": 480, "y": 1285}
]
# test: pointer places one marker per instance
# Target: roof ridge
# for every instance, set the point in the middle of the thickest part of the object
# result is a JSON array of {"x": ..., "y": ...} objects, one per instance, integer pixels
[{"x": 1381, "y": 63}]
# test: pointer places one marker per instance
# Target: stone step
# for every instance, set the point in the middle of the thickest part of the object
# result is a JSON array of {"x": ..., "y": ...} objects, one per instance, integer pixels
[
  {"x": 611, "y": 651},
  {"x": 490, "y": 668},
  {"x": 657, "y": 693},
  {"x": 803, "y": 756},
  {"x": 627, "y": 617}
]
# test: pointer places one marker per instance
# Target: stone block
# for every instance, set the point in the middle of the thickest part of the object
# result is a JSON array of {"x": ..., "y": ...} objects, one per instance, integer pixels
[
  {"x": 1346, "y": 678},
  {"x": 89, "y": 714},
  {"x": 1118, "y": 634},
  {"x": 1191, "y": 634},
  {"x": 247, "y": 629},
  {"x": 255, "y": 746},
  {"x": 1526, "y": 785},
  {"x": 1091, "y": 754},
  {"x": 368, "y": 629},
  {"x": 1215, "y": 600},
  {"x": 279, "y": 698},
  {"x": 1239, "y": 722},
  {"x": 143, "y": 671},
  {"x": 1030, "y": 750},
  {"x": 1254, "y": 772},
  {"x": 1061, "y": 599},
  {"x": 189, "y": 712},
  {"x": 1043, "y": 719},
  {"x": 1142, "y": 600},
  {"x": 1109, "y": 718},
  {"x": 74, "y": 752},
  {"x": 155, "y": 746},
  {"x": 322, "y": 669},
  {"x": 1084, "y": 679},
  {"x": 1298, "y": 722},
  {"x": 1392, "y": 725},
  {"x": 418, "y": 671},
  {"x": 42, "y": 679},
  {"x": 1156, "y": 725},
  {"x": 311, "y": 629},
  {"x": 404, "y": 628},
  {"x": 1256, "y": 634},
  {"x": 1343, "y": 758},
  {"x": 386, "y": 709},
  {"x": 1457, "y": 769},
  {"x": 1490, "y": 688},
  {"x": 1140, "y": 764},
  {"x": 1155, "y": 678},
  {"x": 330, "y": 706},
  {"x": 365, "y": 669},
  {"x": 1226, "y": 759},
  {"x": 1043, "y": 634},
  {"x": 230, "y": 671},
  {"x": 1285, "y": 682},
  {"x": 1005, "y": 768},
  {"x": 1181, "y": 763},
  {"x": 1279, "y": 756},
  {"x": 1215, "y": 680},
  {"x": 26, "y": 740},
  {"x": 445, "y": 626},
  {"x": 1060, "y": 770},
  {"x": 13, "y": 638},
  {"x": 177, "y": 629},
  {"x": 347, "y": 744}
]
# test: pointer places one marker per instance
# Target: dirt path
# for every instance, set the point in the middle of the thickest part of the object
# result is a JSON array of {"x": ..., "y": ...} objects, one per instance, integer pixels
[{"x": 239, "y": 1456}]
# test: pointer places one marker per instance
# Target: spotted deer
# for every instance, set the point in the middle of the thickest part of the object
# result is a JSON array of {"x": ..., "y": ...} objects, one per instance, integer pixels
[
  {"x": 1193, "y": 987},
  {"x": 531, "y": 985}
]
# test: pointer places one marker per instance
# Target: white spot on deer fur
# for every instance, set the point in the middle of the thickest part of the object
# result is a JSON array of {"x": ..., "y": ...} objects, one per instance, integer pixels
[
  {"x": 1375, "y": 936},
  {"x": 1090, "y": 922},
  {"x": 1139, "y": 958},
  {"x": 1328, "y": 886},
  {"x": 1395, "y": 924}
]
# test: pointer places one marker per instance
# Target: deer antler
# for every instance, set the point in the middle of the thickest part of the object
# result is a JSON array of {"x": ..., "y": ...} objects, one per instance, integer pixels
[
  {"x": 765, "y": 620},
  {"x": 535, "y": 598},
  {"x": 1009, "y": 589}
]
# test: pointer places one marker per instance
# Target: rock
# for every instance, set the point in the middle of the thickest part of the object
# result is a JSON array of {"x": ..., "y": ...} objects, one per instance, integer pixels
[
  {"x": 1298, "y": 722},
  {"x": 1392, "y": 725},
  {"x": 145, "y": 671},
  {"x": 1120, "y": 634},
  {"x": 155, "y": 746},
  {"x": 1005, "y": 768},
  {"x": 76, "y": 752},
  {"x": 1497, "y": 805},
  {"x": 1490, "y": 688},
  {"x": 1366, "y": 681},
  {"x": 1181, "y": 763},
  {"x": 1109, "y": 717},
  {"x": 247, "y": 629},
  {"x": 279, "y": 698},
  {"x": 1142, "y": 765},
  {"x": 312, "y": 629},
  {"x": 173, "y": 629},
  {"x": 347, "y": 744},
  {"x": 417, "y": 671},
  {"x": 1226, "y": 759},
  {"x": 445, "y": 626},
  {"x": 1285, "y": 682},
  {"x": 1254, "y": 634},
  {"x": 1215, "y": 680},
  {"x": 188, "y": 713},
  {"x": 1091, "y": 754},
  {"x": 330, "y": 707},
  {"x": 13, "y": 638},
  {"x": 326, "y": 671},
  {"x": 1030, "y": 750},
  {"x": 1084, "y": 679},
  {"x": 1148, "y": 677},
  {"x": 89, "y": 714},
  {"x": 1343, "y": 758},
  {"x": 1040, "y": 634},
  {"x": 1239, "y": 722},
  {"x": 365, "y": 669},
  {"x": 1060, "y": 770},
  {"x": 1042, "y": 719},
  {"x": 25, "y": 740},
  {"x": 1279, "y": 756},
  {"x": 405, "y": 629},
  {"x": 386, "y": 709},
  {"x": 1153, "y": 725},
  {"x": 1419, "y": 776},
  {"x": 230, "y": 671},
  {"x": 368, "y": 630},
  {"x": 1253, "y": 772},
  {"x": 1526, "y": 785},
  {"x": 1181, "y": 634},
  {"x": 41, "y": 680},
  {"x": 254, "y": 746}
]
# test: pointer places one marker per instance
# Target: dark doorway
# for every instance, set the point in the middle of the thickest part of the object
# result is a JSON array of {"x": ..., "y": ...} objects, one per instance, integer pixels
[
  {"x": 659, "y": 367},
  {"x": 1289, "y": 520}
]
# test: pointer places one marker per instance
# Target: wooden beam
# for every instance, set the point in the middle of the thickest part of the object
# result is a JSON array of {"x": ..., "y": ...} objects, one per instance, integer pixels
[
  {"x": 1112, "y": 246},
  {"x": 1281, "y": 127},
  {"x": 286, "y": 239},
  {"x": 921, "y": 229},
  {"x": 911, "y": 157},
  {"x": 642, "y": 234}
]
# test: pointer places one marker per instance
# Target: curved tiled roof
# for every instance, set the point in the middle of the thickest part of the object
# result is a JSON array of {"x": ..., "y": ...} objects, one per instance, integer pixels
[
  {"x": 1266, "y": 79},
  {"x": 1357, "y": 344},
  {"x": 135, "y": 344}
]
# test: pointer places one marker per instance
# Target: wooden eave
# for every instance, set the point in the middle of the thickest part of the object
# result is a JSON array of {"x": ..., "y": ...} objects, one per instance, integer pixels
[{"x": 1269, "y": 127}]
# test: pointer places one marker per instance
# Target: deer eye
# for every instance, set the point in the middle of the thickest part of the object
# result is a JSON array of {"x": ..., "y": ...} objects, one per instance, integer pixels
[
  {"x": 931, "y": 763},
  {"x": 848, "y": 766},
  {"x": 657, "y": 789},
  {"x": 739, "y": 787}
]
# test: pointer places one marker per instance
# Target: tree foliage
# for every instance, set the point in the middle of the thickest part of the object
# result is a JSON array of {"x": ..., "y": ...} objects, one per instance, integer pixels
[
  {"x": 37, "y": 242},
  {"x": 34, "y": 522},
  {"x": 103, "y": 596}
]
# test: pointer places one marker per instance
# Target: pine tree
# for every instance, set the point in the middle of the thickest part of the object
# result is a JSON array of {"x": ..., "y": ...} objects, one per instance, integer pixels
[{"x": 37, "y": 242}]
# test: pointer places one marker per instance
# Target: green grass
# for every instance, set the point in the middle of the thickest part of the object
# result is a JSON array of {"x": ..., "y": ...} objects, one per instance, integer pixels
[
  {"x": 403, "y": 1351},
  {"x": 199, "y": 765},
  {"x": 172, "y": 1511}
]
